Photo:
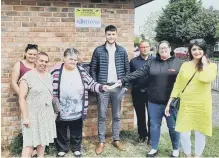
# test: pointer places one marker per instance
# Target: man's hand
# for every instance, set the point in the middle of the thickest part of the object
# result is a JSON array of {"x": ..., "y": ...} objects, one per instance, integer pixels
[{"x": 106, "y": 88}]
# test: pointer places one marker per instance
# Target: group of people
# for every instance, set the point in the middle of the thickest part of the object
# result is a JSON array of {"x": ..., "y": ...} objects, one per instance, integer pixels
[{"x": 154, "y": 82}]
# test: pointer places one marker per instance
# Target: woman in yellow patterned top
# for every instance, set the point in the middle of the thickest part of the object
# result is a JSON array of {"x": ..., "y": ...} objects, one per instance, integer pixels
[{"x": 195, "y": 112}]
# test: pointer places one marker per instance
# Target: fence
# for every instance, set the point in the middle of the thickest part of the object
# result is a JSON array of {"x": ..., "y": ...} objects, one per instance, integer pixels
[{"x": 215, "y": 84}]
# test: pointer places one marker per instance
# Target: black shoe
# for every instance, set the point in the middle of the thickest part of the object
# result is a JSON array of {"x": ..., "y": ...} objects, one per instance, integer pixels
[
  {"x": 152, "y": 155},
  {"x": 149, "y": 142}
]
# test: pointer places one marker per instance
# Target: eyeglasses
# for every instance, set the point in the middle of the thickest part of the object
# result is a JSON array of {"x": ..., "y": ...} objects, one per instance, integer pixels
[
  {"x": 197, "y": 41},
  {"x": 144, "y": 47},
  {"x": 165, "y": 48}
]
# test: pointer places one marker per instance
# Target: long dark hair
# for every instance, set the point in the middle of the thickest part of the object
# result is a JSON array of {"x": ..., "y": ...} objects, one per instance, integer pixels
[
  {"x": 30, "y": 46},
  {"x": 202, "y": 44}
]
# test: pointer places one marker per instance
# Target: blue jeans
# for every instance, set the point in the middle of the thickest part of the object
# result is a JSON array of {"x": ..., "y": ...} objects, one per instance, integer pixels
[{"x": 156, "y": 113}]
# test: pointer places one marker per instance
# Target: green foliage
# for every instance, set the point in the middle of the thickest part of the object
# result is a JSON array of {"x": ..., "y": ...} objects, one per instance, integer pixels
[
  {"x": 16, "y": 145},
  {"x": 137, "y": 41},
  {"x": 171, "y": 24},
  {"x": 217, "y": 30},
  {"x": 183, "y": 20}
]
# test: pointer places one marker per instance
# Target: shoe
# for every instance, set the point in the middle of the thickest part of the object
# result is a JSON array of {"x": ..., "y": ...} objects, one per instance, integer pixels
[
  {"x": 152, "y": 153},
  {"x": 118, "y": 145},
  {"x": 99, "y": 148},
  {"x": 61, "y": 154},
  {"x": 34, "y": 154},
  {"x": 148, "y": 142},
  {"x": 77, "y": 154},
  {"x": 175, "y": 153},
  {"x": 141, "y": 139}
]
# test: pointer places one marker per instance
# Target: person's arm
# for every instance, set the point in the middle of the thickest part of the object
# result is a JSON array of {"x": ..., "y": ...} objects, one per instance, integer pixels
[
  {"x": 93, "y": 66},
  {"x": 22, "y": 102},
  {"x": 140, "y": 73},
  {"x": 209, "y": 73},
  {"x": 14, "y": 77},
  {"x": 175, "y": 91}
]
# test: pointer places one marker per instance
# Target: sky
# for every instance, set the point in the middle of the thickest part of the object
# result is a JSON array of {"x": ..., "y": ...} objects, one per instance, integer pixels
[{"x": 157, "y": 5}]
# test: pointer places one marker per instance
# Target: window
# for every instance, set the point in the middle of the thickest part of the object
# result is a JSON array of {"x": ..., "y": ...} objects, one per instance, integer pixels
[{"x": 216, "y": 47}]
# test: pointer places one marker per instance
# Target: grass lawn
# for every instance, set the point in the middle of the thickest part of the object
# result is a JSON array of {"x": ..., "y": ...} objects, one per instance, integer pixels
[{"x": 135, "y": 149}]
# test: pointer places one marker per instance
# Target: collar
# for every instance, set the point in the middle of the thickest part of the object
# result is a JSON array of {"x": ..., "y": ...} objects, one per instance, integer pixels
[{"x": 149, "y": 57}]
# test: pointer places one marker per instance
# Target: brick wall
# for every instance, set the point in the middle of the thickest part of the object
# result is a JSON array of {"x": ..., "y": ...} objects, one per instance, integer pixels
[{"x": 50, "y": 24}]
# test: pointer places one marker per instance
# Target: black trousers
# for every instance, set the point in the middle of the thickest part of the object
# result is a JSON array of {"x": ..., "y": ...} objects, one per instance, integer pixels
[
  {"x": 140, "y": 102},
  {"x": 75, "y": 128}
]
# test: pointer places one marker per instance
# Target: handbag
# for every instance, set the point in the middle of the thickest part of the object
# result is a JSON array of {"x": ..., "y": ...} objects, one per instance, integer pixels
[
  {"x": 175, "y": 103},
  {"x": 55, "y": 101}
]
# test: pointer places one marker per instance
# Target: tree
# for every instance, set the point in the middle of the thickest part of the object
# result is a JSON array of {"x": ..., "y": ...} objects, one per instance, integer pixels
[
  {"x": 217, "y": 31},
  {"x": 148, "y": 29},
  {"x": 171, "y": 24},
  {"x": 137, "y": 41},
  {"x": 202, "y": 25}
]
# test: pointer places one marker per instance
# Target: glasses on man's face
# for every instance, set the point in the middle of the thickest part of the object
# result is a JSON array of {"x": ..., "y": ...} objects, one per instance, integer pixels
[
  {"x": 144, "y": 47},
  {"x": 197, "y": 41}
]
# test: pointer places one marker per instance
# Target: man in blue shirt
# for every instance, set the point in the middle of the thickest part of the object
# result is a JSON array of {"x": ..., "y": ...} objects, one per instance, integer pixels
[{"x": 139, "y": 92}]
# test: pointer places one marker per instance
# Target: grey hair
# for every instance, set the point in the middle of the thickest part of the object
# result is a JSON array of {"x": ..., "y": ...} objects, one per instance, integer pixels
[{"x": 70, "y": 52}]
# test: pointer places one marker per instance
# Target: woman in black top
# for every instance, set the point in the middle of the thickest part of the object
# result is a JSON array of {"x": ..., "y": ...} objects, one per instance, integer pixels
[{"x": 161, "y": 72}]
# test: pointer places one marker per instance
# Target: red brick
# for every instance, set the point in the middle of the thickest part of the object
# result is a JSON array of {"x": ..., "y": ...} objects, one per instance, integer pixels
[
  {"x": 47, "y": 14},
  {"x": 21, "y": 18},
  {"x": 12, "y": 13},
  {"x": 11, "y": 2},
  {"x": 44, "y": 3},
  {"x": 74, "y": 4},
  {"x": 52, "y": 9},
  {"x": 36, "y": 8},
  {"x": 59, "y": 14},
  {"x": 60, "y": 4},
  {"x": 6, "y": 18},
  {"x": 20, "y": 8},
  {"x": 53, "y": 19},
  {"x": 37, "y": 19},
  {"x": 29, "y": 24},
  {"x": 68, "y": 19},
  {"x": 37, "y": 29},
  {"x": 6, "y": 7},
  {"x": 28, "y": 2},
  {"x": 52, "y": 29}
]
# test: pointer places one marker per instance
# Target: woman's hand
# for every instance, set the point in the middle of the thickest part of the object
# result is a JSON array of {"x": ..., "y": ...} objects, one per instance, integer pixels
[
  {"x": 26, "y": 122},
  {"x": 167, "y": 110},
  {"x": 106, "y": 88},
  {"x": 204, "y": 60}
]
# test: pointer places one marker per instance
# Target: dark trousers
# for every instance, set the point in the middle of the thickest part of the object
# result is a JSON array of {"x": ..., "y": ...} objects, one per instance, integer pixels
[
  {"x": 140, "y": 102},
  {"x": 75, "y": 128}
]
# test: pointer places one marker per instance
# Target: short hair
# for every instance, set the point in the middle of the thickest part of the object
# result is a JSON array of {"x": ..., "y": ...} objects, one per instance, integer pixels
[
  {"x": 70, "y": 52},
  {"x": 44, "y": 54},
  {"x": 143, "y": 42},
  {"x": 164, "y": 41},
  {"x": 110, "y": 28}
]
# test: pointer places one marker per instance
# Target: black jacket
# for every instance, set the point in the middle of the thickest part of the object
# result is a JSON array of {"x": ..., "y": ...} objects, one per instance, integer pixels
[
  {"x": 135, "y": 64},
  {"x": 99, "y": 63},
  {"x": 161, "y": 78}
]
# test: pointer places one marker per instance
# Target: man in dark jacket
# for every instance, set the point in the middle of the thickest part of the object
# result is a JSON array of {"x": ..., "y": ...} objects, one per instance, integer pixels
[
  {"x": 139, "y": 91},
  {"x": 109, "y": 63}
]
